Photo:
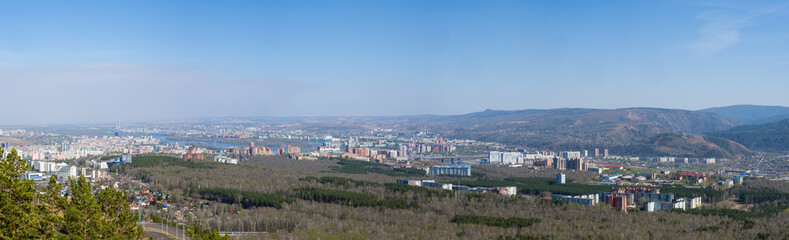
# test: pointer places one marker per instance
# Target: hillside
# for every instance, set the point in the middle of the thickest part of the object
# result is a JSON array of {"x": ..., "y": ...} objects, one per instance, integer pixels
[
  {"x": 751, "y": 114},
  {"x": 563, "y": 128},
  {"x": 685, "y": 145},
  {"x": 765, "y": 137}
]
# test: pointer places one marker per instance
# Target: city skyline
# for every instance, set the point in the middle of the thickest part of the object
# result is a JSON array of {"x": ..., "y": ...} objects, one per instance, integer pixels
[{"x": 82, "y": 62}]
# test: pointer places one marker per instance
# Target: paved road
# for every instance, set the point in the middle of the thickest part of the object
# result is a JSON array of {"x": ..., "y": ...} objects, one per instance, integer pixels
[
  {"x": 157, "y": 236},
  {"x": 160, "y": 231}
]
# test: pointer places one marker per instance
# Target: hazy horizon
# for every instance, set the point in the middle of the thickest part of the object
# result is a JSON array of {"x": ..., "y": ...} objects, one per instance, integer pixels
[
  {"x": 87, "y": 62},
  {"x": 200, "y": 118}
]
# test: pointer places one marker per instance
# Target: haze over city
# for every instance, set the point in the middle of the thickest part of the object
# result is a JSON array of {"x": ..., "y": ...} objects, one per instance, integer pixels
[{"x": 88, "y": 62}]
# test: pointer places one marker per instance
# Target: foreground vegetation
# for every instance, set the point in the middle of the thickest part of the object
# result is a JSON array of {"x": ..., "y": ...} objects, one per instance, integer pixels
[
  {"x": 328, "y": 204},
  {"x": 83, "y": 214}
]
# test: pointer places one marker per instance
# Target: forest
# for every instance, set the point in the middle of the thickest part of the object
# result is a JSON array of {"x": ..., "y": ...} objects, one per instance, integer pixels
[{"x": 318, "y": 200}]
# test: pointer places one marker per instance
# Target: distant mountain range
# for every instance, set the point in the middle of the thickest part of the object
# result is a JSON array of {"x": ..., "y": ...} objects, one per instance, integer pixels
[
  {"x": 544, "y": 128},
  {"x": 629, "y": 130},
  {"x": 714, "y": 132},
  {"x": 751, "y": 114},
  {"x": 765, "y": 137}
]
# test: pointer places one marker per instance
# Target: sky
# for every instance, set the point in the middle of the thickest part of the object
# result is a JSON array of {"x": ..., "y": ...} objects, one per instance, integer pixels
[{"x": 65, "y": 62}]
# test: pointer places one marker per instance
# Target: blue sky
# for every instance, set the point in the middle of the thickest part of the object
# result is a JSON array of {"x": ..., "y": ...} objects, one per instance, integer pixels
[{"x": 87, "y": 62}]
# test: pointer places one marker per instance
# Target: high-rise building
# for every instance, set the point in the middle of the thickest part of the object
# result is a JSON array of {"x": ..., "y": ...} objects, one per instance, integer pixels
[
  {"x": 403, "y": 151},
  {"x": 494, "y": 157},
  {"x": 596, "y": 152},
  {"x": 605, "y": 153},
  {"x": 511, "y": 157},
  {"x": 620, "y": 202},
  {"x": 560, "y": 178},
  {"x": 560, "y": 163},
  {"x": 576, "y": 164},
  {"x": 505, "y": 157},
  {"x": 570, "y": 155}
]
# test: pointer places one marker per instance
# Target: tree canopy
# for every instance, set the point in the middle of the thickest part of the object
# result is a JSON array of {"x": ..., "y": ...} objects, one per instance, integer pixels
[{"x": 84, "y": 214}]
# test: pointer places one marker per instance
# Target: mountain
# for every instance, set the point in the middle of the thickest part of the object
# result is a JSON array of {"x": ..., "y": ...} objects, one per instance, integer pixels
[
  {"x": 772, "y": 136},
  {"x": 575, "y": 127},
  {"x": 627, "y": 130},
  {"x": 751, "y": 114},
  {"x": 684, "y": 145}
]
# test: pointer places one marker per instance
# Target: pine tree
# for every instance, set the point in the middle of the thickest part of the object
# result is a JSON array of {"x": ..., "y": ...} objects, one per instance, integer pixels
[
  {"x": 85, "y": 216},
  {"x": 82, "y": 214},
  {"x": 19, "y": 219},
  {"x": 51, "y": 208},
  {"x": 119, "y": 222}
]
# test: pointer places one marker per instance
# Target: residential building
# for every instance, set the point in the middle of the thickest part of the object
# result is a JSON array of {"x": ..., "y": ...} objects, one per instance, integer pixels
[
  {"x": 447, "y": 186},
  {"x": 450, "y": 170},
  {"x": 586, "y": 200},
  {"x": 560, "y": 178}
]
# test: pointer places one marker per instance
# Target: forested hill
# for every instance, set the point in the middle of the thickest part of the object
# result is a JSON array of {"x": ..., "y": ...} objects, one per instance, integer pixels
[
  {"x": 628, "y": 130},
  {"x": 568, "y": 127},
  {"x": 684, "y": 145},
  {"x": 765, "y": 137},
  {"x": 751, "y": 114}
]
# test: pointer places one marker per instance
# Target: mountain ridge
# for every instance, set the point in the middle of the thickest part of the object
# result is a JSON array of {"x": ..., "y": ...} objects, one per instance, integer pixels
[
  {"x": 751, "y": 114},
  {"x": 773, "y": 136}
]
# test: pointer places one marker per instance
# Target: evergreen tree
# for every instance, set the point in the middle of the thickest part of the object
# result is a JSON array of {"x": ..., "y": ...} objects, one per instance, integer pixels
[
  {"x": 119, "y": 222},
  {"x": 51, "y": 208},
  {"x": 82, "y": 214},
  {"x": 19, "y": 218},
  {"x": 27, "y": 215}
]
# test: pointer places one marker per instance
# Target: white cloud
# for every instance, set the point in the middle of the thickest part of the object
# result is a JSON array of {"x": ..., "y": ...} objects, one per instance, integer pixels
[
  {"x": 721, "y": 29},
  {"x": 718, "y": 32}
]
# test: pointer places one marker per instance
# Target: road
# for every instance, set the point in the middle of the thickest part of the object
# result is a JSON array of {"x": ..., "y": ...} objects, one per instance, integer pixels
[
  {"x": 157, "y": 236},
  {"x": 156, "y": 231},
  {"x": 161, "y": 231}
]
